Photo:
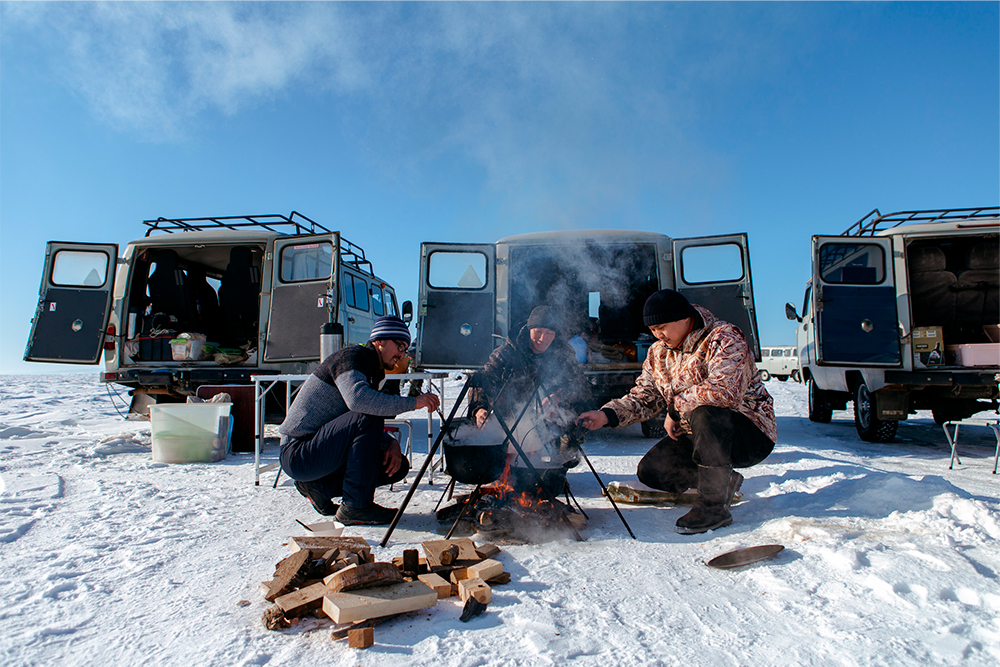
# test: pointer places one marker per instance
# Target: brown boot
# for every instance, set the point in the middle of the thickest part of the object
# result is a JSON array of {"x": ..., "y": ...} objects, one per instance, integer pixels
[{"x": 716, "y": 487}]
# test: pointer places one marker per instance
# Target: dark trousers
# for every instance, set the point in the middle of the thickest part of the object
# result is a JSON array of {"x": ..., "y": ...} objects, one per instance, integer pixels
[
  {"x": 720, "y": 437},
  {"x": 345, "y": 457}
]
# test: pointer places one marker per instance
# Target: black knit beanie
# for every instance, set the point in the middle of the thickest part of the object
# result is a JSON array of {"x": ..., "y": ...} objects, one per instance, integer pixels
[
  {"x": 666, "y": 306},
  {"x": 543, "y": 317}
]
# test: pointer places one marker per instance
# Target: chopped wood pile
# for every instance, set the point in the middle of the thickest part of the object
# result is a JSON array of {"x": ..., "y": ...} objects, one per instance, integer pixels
[{"x": 337, "y": 578}]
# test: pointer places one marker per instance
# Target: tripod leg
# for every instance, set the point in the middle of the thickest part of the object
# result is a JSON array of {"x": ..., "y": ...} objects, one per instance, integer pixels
[
  {"x": 473, "y": 499},
  {"x": 447, "y": 492},
  {"x": 606, "y": 494}
]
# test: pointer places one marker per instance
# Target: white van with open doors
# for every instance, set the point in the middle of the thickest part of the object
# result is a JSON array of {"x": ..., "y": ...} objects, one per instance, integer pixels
[
  {"x": 473, "y": 296},
  {"x": 254, "y": 292},
  {"x": 901, "y": 315}
]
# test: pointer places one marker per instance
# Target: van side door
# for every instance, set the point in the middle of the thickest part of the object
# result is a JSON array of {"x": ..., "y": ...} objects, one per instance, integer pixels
[
  {"x": 74, "y": 303},
  {"x": 303, "y": 295},
  {"x": 855, "y": 318},
  {"x": 356, "y": 307},
  {"x": 456, "y": 305},
  {"x": 714, "y": 272}
]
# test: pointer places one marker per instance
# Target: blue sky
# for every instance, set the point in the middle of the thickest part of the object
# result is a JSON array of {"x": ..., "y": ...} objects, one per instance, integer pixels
[{"x": 402, "y": 123}]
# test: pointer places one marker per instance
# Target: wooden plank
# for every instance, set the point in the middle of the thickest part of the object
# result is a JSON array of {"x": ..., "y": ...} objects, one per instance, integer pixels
[
  {"x": 475, "y": 588},
  {"x": 487, "y": 550},
  {"x": 440, "y": 586},
  {"x": 411, "y": 560},
  {"x": 421, "y": 564},
  {"x": 486, "y": 569},
  {"x": 433, "y": 549},
  {"x": 289, "y": 573},
  {"x": 361, "y": 637},
  {"x": 458, "y": 575},
  {"x": 375, "y": 602},
  {"x": 298, "y": 603},
  {"x": 366, "y": 575},
  {"x": 499, "y": 580},
  {"x": 321, "y": 544}
]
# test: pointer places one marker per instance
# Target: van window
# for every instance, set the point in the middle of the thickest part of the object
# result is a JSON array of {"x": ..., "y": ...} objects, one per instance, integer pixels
[
  {"x": 309, "y": 261},
  {"x": 390, "y": 303},
  {"x": 852, "y": 263},
  {"x": 456, "y": 270},
  {"x": 76, "y": 268},
  {"x": 376, "y": 293},
  {"x": 764, "y": 352},
  {"x": 355, "y": 292},
  {"x": 712, "y": 263}
]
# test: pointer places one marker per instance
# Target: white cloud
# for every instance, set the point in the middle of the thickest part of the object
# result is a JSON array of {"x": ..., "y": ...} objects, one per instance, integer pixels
[{"x": 563, "y": 105}]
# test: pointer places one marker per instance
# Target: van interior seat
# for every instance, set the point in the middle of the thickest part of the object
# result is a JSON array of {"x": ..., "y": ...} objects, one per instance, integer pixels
[
  {"x": 168, "y": 288},
  {"x": 979, "y": 285},
  {"x": 206, "y": 312},
  {"x": 239, "y": 297},
  {"x": 933, "y": 295}
]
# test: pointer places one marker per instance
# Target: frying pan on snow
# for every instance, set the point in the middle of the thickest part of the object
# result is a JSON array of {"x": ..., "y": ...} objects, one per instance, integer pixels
[{"x": 745, "y": 556}]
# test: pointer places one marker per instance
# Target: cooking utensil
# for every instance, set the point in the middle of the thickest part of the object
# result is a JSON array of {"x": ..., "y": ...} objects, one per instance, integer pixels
[{"x": 745, "y": 556}]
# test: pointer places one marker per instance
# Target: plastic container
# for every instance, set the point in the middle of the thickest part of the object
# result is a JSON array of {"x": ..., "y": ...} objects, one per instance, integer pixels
[
  {"x": 982, "y": 354},
  {"x": 190, "y": 432},
  {"x": 326, "y": 528},
  {"x": 186, "y": 349}
]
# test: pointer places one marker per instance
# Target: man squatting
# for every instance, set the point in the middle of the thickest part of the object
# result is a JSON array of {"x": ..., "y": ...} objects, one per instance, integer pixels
[
  {"x": 333, "y": 441},
  {"x": 719, "y": 416}
]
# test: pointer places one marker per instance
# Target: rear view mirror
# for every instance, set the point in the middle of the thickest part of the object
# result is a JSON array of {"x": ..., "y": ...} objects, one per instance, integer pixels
[
  {"x": 789, "y": 313},
  {"x": 407, "y": 311}
]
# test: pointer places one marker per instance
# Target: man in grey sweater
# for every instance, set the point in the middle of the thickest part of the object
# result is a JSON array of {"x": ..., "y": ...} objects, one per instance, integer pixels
[{"x": 333, "y": 441}]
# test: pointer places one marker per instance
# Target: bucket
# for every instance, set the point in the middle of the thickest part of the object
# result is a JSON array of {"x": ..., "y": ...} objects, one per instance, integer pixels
[{"x": 190, "y": 432}]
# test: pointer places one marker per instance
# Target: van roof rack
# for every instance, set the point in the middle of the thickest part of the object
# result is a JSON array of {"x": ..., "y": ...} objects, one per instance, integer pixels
[
  {"x": 868, "y": 226},
  {"x": 295, "y": 224}
]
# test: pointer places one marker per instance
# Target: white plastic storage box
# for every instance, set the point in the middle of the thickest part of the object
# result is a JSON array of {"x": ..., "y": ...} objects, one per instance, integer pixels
[
  {"x": 186, "y": 349},
  {"x": 981, "y": 354},
  {"x": 190, "y": 432}
]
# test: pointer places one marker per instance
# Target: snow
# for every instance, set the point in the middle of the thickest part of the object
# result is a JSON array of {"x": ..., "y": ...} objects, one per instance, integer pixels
[{"x": 890, "y": 558}]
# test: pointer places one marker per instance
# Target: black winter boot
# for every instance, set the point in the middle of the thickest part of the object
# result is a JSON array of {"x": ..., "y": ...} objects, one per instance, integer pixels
[{"x": 716, "y": 487}]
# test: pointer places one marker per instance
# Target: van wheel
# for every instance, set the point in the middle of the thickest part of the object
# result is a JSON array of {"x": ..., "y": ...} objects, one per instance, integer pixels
[
  {"x": 653, "y": 427},
  {"x": 820, "y": 410},
  {"x": 870, "y": 427},
  {"x": 796, "y": 375},
  {"x": 764, "y": 376}
]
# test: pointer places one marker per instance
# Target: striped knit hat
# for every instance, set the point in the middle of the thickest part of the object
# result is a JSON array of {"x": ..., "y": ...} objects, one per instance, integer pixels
[{"x": 390, "y": 327}]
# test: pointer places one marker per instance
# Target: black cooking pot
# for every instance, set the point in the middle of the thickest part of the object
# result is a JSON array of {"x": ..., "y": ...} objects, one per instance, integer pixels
[
  {"x": 553, "y": 479},
  {"x": 474, "y": 464}
]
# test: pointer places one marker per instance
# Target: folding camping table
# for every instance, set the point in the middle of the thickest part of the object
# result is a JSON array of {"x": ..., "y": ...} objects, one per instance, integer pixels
[
  {"x": 263, "y": 384},
  {"x": 993, "y": 424}
]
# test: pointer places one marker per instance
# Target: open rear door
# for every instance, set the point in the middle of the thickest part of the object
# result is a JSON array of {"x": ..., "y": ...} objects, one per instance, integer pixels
[
  {"x": 304, "y": 295},
  {"x": 714, "y": 272},
  {"x": 856, "y": 320},
  {"x": 456, "y": 305},
  {"x": 74, "y": 303}
]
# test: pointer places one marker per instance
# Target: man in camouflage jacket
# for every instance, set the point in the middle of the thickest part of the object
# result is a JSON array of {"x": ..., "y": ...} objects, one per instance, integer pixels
[{"x": 719, "y": 415}]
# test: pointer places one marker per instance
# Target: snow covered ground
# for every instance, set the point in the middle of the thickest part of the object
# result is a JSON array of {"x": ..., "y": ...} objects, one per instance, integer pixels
[{"x": 890, "y": 558}]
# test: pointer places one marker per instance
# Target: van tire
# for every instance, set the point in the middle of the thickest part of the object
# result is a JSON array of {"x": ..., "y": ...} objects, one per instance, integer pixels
[
  {"x": 820, "y": 410},
  {"x": 869, "y": 426},
  {"x": 653, "y": 427},
  {"x": 764, "y": 375},
  {"x": 796, "y": 375}
]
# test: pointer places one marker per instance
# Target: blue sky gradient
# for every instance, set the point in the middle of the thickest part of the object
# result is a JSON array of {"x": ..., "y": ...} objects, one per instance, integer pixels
[{"x": 402, "y": 123}]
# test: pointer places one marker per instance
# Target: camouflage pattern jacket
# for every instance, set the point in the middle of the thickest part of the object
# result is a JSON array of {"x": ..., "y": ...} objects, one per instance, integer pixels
[{"x": 714, "y": 366}]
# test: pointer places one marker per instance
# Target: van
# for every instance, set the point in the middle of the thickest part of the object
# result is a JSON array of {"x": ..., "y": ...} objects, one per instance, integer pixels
[
  {"x": 473, "y": 296},
  {"x": 205, "y": 301},
  {"x": 901, "y": 315},
  {"x": 779, "y": 361}
]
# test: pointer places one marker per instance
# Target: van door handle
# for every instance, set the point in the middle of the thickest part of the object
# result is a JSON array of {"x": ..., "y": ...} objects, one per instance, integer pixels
[{"x": 351, "y": 320}]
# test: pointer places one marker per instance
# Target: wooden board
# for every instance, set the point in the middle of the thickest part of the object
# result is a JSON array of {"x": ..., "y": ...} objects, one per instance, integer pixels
[
  {"x": 433, "y": 549},
  {"x": 487, "y": 550},
  {"x": 375, "y": 602},
  {"x": 361, "y": 637},
  {"x": 321, "y": 544},
  {"x": 440, "y": 586},
  {"x": 303, "y": 600},
  {"x": 288, "y": 574},
  {"x": 487, "y": 569}
]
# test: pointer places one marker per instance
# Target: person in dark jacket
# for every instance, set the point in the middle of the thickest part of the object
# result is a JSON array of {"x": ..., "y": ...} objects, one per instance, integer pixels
[
  {"x": 719, "y": 416},
  {"x": 536, "y": 356},
  {"x": 333, "y": 441}
]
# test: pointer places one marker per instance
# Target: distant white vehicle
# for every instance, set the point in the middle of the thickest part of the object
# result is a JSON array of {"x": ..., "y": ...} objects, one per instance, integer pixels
[{"x": 781, "y": 361}]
